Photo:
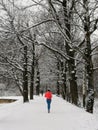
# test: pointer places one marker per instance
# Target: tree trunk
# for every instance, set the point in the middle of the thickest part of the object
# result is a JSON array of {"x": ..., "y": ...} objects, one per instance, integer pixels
[
  {"x": 88, "y": 59},
  {"x": 32, "y": 81},
  {"x": 63, "y": 72},
  {"x": 58, "y": 86},
  {"x": 32, "y": 70},
  {"x": 64, "y": 86},
  {"x": 38, "y": 83},
  {"x": 84, "y": 88},
  {"x": 70, "y": 52},
  {"x": 25, "y": 77}
]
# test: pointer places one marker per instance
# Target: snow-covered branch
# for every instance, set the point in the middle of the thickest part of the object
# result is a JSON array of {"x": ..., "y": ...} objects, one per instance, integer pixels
[
  {"x": 61, "y": 53},
  {"x": 12, "y": 63}
]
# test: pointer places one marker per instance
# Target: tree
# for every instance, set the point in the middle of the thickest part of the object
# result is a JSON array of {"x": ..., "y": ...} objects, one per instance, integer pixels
[
  {"x": 32, "y": 67},
  {"x": 68, "y": 39},
  {"x": 25, "y": 76}
]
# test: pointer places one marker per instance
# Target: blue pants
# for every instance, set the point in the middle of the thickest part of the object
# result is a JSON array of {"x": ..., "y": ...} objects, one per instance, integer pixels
[{"x": 48, "y": 103}]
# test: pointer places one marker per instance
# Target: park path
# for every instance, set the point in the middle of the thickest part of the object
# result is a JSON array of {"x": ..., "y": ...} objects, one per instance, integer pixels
[{"x": 34, "y": 116}]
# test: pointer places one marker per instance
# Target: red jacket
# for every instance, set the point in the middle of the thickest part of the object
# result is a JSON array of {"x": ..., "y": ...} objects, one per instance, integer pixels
[{"x": 48, "y": 95}]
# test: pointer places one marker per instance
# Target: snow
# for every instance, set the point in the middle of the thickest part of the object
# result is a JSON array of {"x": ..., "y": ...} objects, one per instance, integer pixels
[{"x": 34, "y": 116}]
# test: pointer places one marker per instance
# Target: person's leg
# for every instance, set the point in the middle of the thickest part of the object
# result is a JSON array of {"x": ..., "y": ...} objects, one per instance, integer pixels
[{"x": 48, "y": 104}]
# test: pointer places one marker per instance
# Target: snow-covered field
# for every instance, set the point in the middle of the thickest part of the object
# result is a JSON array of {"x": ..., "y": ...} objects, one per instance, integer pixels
[{"x": 34, "y": 116}]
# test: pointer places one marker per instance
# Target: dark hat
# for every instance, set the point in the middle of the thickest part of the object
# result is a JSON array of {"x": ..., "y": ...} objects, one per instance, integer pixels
[{"x": 48, "y": 89}]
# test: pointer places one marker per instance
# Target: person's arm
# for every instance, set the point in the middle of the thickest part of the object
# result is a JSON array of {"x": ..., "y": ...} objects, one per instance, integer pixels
[
  {"x": 45, "y": 95},
  {"x": 51, "y": 94}
]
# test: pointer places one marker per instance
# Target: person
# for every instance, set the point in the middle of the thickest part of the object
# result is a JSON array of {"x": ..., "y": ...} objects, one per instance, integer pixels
[{"x": 48, "y": 96}]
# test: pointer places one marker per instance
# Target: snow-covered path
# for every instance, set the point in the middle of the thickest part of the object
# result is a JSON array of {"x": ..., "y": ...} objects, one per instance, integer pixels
[{"x": 34, "y": 116}]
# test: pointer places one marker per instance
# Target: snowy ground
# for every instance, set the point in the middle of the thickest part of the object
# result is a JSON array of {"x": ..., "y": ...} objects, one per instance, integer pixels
[
  {"x": 34, "y": 116},
  {"x": 96, "y": 108}
]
